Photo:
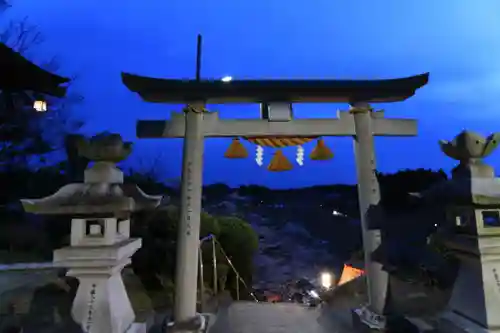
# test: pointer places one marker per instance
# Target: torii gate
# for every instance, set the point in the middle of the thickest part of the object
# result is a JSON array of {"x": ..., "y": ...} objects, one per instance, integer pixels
[{"x": 195, "y": 124}]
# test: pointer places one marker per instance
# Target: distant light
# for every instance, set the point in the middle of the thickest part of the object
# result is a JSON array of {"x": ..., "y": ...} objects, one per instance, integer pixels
[
  {"x": 435, "y": 225},
  {"x": 326, "y": 280},
  {"x": 40, "y": 106},
  {"x": 227, "y": 79},
  {"x": 314, "y": 294}
]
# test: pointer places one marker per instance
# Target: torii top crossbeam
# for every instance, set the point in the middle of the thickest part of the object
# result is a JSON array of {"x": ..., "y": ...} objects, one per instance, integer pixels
[{"x": 255, "y": 91}]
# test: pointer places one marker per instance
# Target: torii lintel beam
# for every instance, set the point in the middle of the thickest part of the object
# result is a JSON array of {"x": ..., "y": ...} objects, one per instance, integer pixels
[
  {"x": 158, "y": 90},
  {"x": 213, "y": 126}
]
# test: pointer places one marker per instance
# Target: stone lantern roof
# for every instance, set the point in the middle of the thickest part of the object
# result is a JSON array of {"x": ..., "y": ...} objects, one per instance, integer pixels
[{"x": 103, "y": 191}]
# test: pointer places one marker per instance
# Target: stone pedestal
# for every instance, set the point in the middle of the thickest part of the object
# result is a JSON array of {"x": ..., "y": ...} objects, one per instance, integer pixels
[
  {"x": 365, "y": 320},
  {"x": 359, "y": 326},
  {"x": 475, "y": 302},
  {"x": 101, "y": 304},
  {"x": 393, "y": 325},
  {"x": 137, "y": 328}
]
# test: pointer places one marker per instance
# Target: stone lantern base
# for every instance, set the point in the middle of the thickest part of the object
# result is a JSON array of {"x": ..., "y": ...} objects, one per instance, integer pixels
[
  {"x": 101, "y": 304},
  {"x": 137, "y": 328}
]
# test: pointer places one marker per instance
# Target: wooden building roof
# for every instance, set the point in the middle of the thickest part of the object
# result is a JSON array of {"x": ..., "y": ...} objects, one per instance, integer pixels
[
  {"x": 19, "y": 74},
  {"x": 255, "y": 91}
]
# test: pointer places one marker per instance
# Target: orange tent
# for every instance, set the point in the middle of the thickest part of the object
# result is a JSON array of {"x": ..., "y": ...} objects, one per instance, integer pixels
[{"x": 349, "y": 273}]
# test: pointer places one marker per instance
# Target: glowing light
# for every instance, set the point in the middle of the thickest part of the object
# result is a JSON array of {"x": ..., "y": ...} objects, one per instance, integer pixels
[
  {"x": 314, "y": 294},
  {"x": 326, "y": 280},
  {"x": 227, "y": 79},
  {"x": 40, "y": 106},
  {"x": 337, "y": 213}
]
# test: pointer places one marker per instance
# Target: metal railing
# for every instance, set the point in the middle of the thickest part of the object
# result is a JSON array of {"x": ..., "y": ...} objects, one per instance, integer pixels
[
  {"x": 165, "y": 202},
  {"x": 239, "y": 279}
]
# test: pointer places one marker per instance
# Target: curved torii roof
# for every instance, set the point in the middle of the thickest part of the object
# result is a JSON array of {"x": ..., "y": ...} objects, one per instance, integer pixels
[
  {"x": 19, "y": 74},
  {"x": 158, "y": 90}
]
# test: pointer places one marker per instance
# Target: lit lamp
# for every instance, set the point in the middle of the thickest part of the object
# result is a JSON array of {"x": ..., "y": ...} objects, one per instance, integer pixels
[
  {"x": 40, "y": 105},
  {"x": 326, "y": 280}
]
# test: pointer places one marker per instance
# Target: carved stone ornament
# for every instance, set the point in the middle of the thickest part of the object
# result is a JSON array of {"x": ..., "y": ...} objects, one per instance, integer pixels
[
  {"x": 105, "y": 147},
  {"x": 468, "y": 146}
]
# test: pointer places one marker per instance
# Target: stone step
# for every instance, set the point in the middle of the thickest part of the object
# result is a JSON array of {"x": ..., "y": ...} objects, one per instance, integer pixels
[{"x": 422, "y": 325}]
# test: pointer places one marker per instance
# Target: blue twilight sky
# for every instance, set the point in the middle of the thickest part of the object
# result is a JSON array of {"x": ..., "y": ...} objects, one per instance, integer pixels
[{"x": 457, "y": 41}]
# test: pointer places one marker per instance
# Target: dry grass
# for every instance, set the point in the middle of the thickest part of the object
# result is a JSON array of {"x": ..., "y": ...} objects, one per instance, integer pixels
[
  {"x": 20, "y": 295},
  {"x": 16, "y": 287}
]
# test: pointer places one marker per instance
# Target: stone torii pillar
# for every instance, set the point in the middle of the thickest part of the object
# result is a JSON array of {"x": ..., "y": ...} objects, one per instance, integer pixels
[
  {"x": 369, "y": 195},
  {"x": 361, "y": 122},
  {"x": 186, "y": 273}
]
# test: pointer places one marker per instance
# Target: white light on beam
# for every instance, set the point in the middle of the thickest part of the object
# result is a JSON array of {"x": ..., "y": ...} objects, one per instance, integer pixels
[
  {"x": 300, "y": 156},
  {"x": 40, "y": 106},
  {"x": 259, "y": 155},
  {"x": 227, "y": 79}
]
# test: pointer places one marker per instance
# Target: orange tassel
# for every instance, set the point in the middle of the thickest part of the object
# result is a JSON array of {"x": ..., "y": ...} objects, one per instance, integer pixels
[
  {"x": 321, "y": 152},
  {"x": 236, "y": 150},
  {"x": 279, "y": 163}
]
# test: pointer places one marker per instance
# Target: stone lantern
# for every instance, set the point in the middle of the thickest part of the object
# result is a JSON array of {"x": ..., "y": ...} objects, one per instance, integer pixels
[
  {"x": 100, "y": 245},
  {"x": 472, "y": 232}
]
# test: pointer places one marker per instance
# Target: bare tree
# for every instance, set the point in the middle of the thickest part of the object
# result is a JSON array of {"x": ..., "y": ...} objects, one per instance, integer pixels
[
  {"x": 24, "y": 37},
  {"x": 21, "y": 36},
  {"x": 40, "y": 133},
  {"x": 151, "y": 166},
  {"x": 153, "y": 169},
  {"x": 4, "y": 5}
]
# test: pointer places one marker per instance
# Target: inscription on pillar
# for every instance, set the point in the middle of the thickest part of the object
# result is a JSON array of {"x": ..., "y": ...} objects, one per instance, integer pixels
[
  {"x": 189, "y": 190},
  {"x": 497, "y": 279},
  {"x": 90, "y": 313},
  {"x": 374, "y": 182}
]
